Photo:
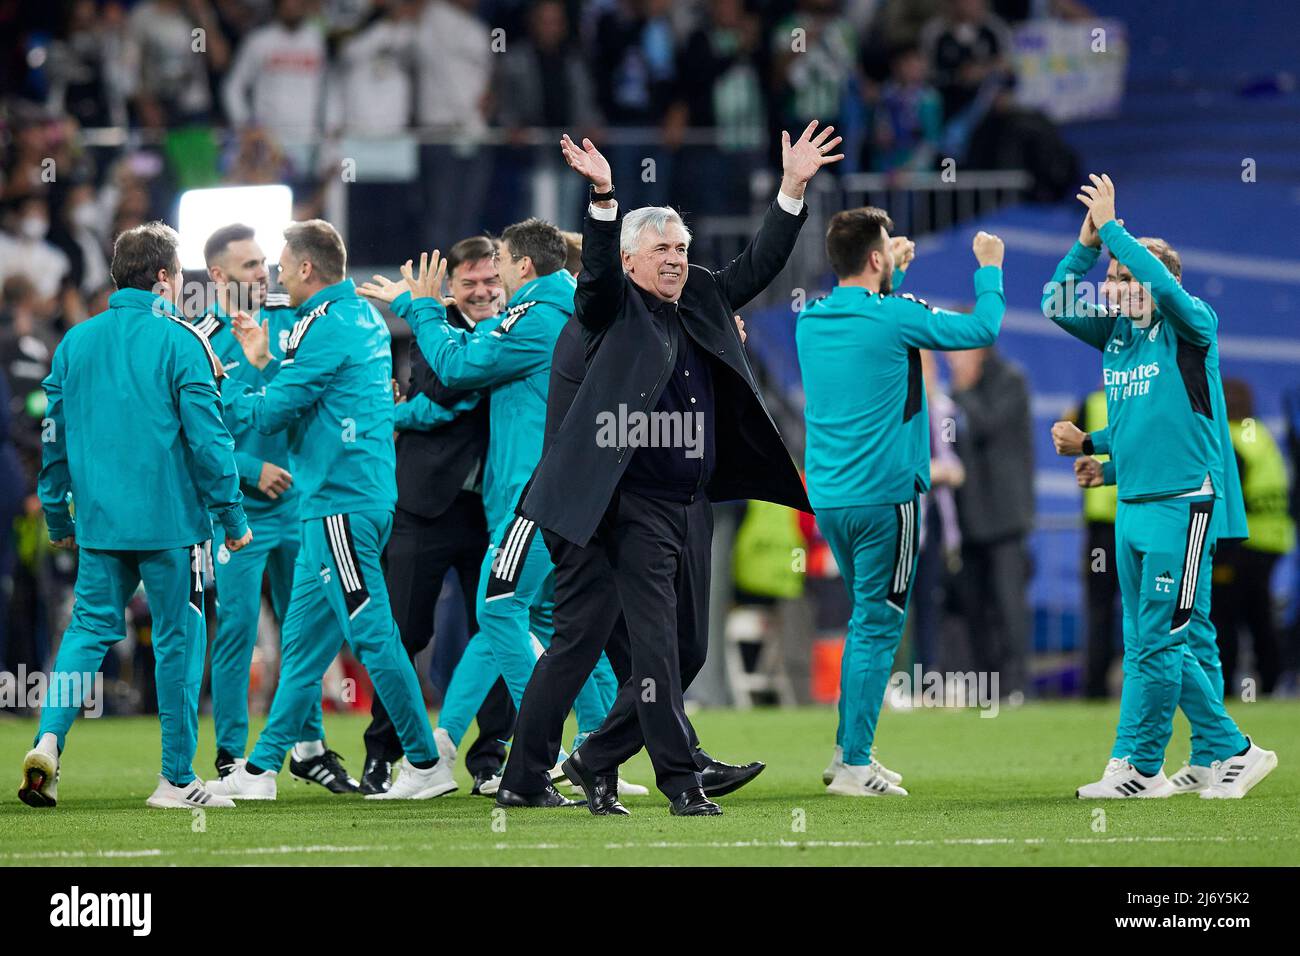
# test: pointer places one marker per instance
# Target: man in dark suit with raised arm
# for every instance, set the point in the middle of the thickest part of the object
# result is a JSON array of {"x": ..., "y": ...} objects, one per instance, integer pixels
[{"x": 667, "y": 419}]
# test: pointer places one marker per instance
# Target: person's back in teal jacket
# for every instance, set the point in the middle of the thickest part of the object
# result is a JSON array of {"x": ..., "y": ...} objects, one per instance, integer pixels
[
  {"x": 511, "y": 355},
  {"x": 135, "y": 440},
  {"x": 333, "y": 392},
  {"x": 868, "y": 428},
  {"x": 252, "y": 448}
]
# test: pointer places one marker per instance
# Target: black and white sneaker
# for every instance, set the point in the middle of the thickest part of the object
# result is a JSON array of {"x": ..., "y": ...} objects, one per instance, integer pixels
[
  {"x": 325, "y": 769},
  {"x": 226, "y": 762},
  {"x": 1233, "y": 778}
]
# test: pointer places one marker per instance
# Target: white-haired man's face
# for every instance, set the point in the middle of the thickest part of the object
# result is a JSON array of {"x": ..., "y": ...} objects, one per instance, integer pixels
[{"x": 659, "y": 263}]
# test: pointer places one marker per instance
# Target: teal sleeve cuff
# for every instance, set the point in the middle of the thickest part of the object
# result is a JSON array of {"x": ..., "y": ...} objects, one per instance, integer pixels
[
  {"x": 897, "y": 279},
  {"x": 1081, "y": 258},
  {"x": 988, "y": 279},
  {"x": 401, "y": 306},
  {"x": 272, "y": 369},
  {"x": 59, "y": 526},
  {"x": 426, "y": 309},
  {"x": 234, "y": 522},
  {"x": 1108, "y": 472},
  {"x": 404, "y": 416}
]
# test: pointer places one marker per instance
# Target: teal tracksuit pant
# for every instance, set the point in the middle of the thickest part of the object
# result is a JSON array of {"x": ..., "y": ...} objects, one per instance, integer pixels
[
  {"x": 339, "y": 595},
  {"x": 875, "y": 548},
  {"x": 173, "y": 581},
  {"x": 273, "y": 550},
  {"x": 515, "y": 596},
  {"x": 1163, "y": 556}
]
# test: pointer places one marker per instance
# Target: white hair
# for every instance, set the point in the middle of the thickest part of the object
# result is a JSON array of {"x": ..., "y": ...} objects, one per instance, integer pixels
[{"x": 638, "y": 221}]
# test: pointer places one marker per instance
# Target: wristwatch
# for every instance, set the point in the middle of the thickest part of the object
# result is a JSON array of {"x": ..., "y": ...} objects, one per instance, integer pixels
[
  {"x": 601, "y": 197},
  {"x": 1087, "y": 445}
]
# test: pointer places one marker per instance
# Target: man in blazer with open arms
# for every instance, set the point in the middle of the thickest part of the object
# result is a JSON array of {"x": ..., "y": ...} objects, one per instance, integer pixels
[{"x": 662, "y": 347}]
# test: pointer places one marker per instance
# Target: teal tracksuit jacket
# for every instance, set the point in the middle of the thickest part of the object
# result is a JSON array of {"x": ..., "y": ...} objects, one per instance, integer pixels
[
  {"x": 275, "y": 535},
  {"x": 332, "y": 392},
  {"x": 509, "y": 355},
  {"x": 136, "y": 463},
  {"x": 1164, "y": 403},
  {"x": 868, "y": 461}
]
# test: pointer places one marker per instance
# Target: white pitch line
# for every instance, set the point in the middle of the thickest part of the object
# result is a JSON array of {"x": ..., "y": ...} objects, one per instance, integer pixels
[{"x": 285, "y": 849}]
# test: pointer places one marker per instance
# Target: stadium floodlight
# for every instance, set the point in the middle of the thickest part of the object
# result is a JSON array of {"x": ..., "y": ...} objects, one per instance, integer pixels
[{"x": 267, "y": 209}]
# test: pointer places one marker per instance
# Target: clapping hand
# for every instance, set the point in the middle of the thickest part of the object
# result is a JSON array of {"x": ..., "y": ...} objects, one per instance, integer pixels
[
  {"x": 427, "y": 283},
  {"x": 254, "y": 339}
]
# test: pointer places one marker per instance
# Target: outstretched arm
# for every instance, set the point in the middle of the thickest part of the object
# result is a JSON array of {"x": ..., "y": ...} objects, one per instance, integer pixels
[
  {"x": 1191, "y": 318},
  {"x": 923, "y": 327},
  {"x": 763, "y": 259},
  {"x": 599, "y": 297},
  {"x": 1086, "y": 321}
]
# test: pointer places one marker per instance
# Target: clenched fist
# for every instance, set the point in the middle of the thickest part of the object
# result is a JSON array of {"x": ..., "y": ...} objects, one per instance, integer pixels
[
  {"x": 1068, "y": 438},
  {"x": 988, "y": 249},
  {"x": 1087, "y": 472}
]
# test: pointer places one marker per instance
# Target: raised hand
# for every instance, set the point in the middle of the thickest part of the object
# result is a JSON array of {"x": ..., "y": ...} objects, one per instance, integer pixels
[
  {"x": 1100, "y": 200},
  {"x": 740, "y": 328},
  {"x": 587, "y": 162},
  {"x": 801, "y": 160},
  {"x": 1068, "y": 438},
  {"x": 904, "y": 250},
  {"x": 988, "y": 249},
  {"x": 427, "y": 283},
  {"x": 381, "y": 289},
  {"x": 65, "y": 544},
  {"x": 254, "y": 339}
]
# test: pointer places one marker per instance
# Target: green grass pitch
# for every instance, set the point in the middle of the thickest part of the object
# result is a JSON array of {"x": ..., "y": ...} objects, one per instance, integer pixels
[{"x": 983, "y": 792}]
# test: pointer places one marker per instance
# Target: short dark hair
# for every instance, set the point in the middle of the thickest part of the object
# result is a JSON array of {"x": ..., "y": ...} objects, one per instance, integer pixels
[
  {"x": 140, "y": 252},
  {"x": 223, "y": 237},
  {"x": 540, "y": 241},
  {"x": 473, "y": 249},
  {"x": 318, "y": 242},
  {"x": 852, "y": 236}
]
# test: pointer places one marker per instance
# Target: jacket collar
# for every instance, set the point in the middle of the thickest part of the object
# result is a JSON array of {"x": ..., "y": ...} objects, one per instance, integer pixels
[
  {"x": 346, "y": 289},
  {"x": 143, "y": 299}
]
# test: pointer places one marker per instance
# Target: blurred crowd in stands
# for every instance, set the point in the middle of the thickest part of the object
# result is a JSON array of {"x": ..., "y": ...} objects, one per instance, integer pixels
[{"x": 110, "y": 108}]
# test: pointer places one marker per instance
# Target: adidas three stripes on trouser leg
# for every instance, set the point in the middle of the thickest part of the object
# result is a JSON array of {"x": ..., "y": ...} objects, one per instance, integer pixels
[
  {"x": 173, "y": 581},
  {"x": 514, "y": 596},
  {"x": 875, "y": 547},
  {"x": 1163, "y": 557},
  {"x": 339, "y": 594},
  {"x": 273, "y": 550}
]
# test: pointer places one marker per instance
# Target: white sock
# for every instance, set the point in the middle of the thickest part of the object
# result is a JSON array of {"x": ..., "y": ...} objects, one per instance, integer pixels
[
  {"x": 49, "y": 743},
  {"x": 306, "y": 749}
]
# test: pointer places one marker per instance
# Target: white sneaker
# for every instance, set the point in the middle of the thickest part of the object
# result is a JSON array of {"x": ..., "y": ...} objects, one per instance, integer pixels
[
  {"x": 415, "y": 784},
  {"x": 1122, "y": 780},
  {"x": 40, "y": 786},
  {"x": 837, "y": 761},
  {"x": 1191, "y": 779},
  {"x": 1232, "y": 779},
  {"x": 491, "y": 785},
  {"x": 833, "y": 768},
  {"x": 862, "y": 781},
  {"x": 446, "y": 749},
  {"x": 193, "y": 796},
  {"x": 557, "y": 772},
  {"x": 239, "y": 784}
]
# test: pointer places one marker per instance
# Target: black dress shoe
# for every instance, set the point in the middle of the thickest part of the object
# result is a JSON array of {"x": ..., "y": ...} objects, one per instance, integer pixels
[
  {"x": 377, "y": 776},
  {"x": 225, "y": 762},
  {"x": 601, "y": 789},
  {"x": 693, "y": 803},
  {"x": 481, "y": 777},
  {"x": 545, "y": 799},
  {"x": 719, "y": 779}
]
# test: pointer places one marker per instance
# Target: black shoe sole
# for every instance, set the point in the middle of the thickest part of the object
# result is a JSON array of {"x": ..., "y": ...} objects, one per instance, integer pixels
[
  {"x": 735, "y": 784},
  {"x": 30, "y": 792},
  {"x": 698, "y": 813}
]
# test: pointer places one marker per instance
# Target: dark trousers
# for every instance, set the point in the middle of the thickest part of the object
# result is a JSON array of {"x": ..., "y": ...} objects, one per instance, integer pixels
[
  {"x": 420, "y": 552},
  {"x": 1101, "y": 583},
  {"x": 995, "y": 578},
  {"x": 588, "y": 619},
  {"x": 1242, "y": 596},
  {"x": 659, "y": 553}
]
